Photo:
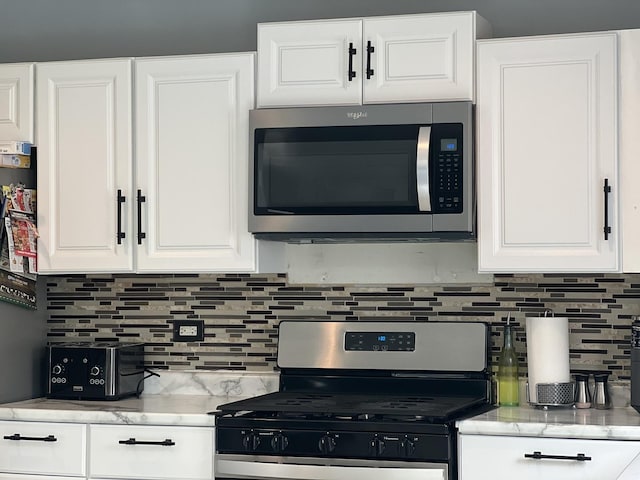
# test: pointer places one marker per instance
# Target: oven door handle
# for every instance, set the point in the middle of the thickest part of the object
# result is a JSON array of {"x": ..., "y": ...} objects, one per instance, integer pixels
[
  {"x": 279, "y": 471},
  {"x": 422, "y": 169}
]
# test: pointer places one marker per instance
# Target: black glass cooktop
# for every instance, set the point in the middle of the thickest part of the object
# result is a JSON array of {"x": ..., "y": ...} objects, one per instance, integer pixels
[{"x": 355, "y": 406}]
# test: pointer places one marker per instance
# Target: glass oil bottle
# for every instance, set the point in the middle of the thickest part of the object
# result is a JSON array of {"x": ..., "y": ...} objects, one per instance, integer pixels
[{"x": 508, "y": 386}]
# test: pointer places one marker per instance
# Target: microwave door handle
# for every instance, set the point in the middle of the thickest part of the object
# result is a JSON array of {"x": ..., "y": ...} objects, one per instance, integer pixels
[{"x": 422, "y": 169}]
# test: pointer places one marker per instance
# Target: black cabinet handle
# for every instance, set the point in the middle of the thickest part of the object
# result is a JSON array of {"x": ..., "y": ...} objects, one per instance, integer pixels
[
  {"x": 140, "y": 198},
  {"x": 370, "y": 50},
  {"x": 121, "y": 200},
  {"x": 132, "y": 441},
  {"x": 580, "y": 457},
  {"x": 352, "y": 52},
  {"x": 17, "y": 436},
  {"x": 607, "y": 191}
]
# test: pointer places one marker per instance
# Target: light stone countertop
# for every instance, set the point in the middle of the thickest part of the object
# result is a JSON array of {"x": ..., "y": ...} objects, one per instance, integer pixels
[
  {"x": 183, "y": 410},
  {"x": 174, "y": 398},
  {"x": 620, "y": 423}
]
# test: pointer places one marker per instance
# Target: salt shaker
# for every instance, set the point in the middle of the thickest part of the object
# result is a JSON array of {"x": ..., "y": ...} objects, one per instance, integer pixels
[
  {"x": 583, "y": 395},
  {"x": 601, "y": 398}
]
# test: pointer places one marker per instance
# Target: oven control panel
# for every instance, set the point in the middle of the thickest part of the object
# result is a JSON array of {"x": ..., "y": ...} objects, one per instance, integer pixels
[
  {"x": 380, "y": 341},
  {"x": 333, "y": 443}
]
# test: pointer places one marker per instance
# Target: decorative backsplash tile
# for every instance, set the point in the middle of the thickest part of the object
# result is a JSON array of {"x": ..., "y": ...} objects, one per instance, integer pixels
[{"x": 241, "y": 313}]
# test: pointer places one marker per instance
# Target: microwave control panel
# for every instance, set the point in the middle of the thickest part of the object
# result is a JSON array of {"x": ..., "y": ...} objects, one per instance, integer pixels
[{"x": 447, "y": 168}]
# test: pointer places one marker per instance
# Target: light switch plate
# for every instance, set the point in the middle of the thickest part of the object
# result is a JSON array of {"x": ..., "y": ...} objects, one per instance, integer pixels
[{"x": 188, "y": 330}]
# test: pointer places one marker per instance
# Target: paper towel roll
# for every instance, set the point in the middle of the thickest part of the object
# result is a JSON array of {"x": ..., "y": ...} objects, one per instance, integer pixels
[{"x": 547, "y": 352}]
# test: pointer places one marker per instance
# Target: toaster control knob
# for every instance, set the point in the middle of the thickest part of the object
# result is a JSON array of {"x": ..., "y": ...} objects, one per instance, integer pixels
[
  {"x": 279, "y": 442},
  {"x": 327, "y": 444},
  {"x": 56, "y": 370},
  {"x": 95, "y": 371}
]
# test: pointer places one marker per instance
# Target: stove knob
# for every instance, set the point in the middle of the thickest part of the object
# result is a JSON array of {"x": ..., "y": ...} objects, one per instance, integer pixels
[
  {"x": 95, "y": 370},
  {"x": 57, "y": 369},
  {"x": 327, "y": 444},
  {"x": 251, "y": 442},
  {"x": 377, "y": 446},
  {"x": 407, "y": 447},
  {"x": 279, "y": 442}
]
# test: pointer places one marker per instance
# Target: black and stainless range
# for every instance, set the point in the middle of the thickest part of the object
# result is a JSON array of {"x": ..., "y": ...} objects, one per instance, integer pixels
[{"x": 375, "y": 400}]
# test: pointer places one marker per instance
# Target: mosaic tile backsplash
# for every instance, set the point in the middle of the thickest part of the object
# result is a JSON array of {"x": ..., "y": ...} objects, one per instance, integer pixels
[{"x": 241, "y": 313}]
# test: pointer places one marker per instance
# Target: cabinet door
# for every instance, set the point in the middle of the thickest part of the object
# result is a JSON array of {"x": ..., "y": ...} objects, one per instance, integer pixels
[
  {"x": 43, "y": 448},
  {"x": 118, "y": 451},
  {"x": 503, "y": 458},
  {"x": 309, "y": 63},
  {"x": 547, "y": 143},
  {"x": 192, "y": 127},
  {"x": 16, "y": 102},
  {"x": 83, "y": 115},
  {"x": 630, "y": 148},
  {"x": 419, "y": 58}
]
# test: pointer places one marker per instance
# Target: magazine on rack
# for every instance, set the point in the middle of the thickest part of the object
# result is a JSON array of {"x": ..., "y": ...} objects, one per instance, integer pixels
[{"x": 18, "y": 247}]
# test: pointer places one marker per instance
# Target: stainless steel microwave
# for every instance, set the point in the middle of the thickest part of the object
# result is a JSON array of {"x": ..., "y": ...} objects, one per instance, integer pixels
[{"x": 374, "y": 172}]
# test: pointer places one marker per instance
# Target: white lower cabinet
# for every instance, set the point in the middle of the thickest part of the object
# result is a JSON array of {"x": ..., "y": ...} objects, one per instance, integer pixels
[
  {"x": 41, "y": 450},
  {"x": 47, "y": 451},
  {"x": 506, "y": 458},
  {"x": 151, "y": 452}
]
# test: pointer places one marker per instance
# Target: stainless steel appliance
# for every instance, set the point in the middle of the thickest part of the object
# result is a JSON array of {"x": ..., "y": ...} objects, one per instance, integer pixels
[
  {"x": 398, "y": 171},
  {"x": 95, "y": 370},
  {"x": 376, "y": 400}
]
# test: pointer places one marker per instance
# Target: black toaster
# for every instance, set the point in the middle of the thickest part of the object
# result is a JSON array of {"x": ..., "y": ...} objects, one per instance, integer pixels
[{"x": 95, "y": 370}]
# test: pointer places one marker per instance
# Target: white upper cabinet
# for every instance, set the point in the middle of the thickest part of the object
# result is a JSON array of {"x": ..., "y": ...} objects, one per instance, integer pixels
[
  {"x": 192, "y": 128},
  {"x": 630, "y": 148},
  {"x": 84, "y": 143},
  {"x": 187, "y": 211},
  {"x": 404, "y": 58},
  {"x": 310, "y": 63},
  {"x": 546, "y": 119},
  {"x": 16, "y": 102}
]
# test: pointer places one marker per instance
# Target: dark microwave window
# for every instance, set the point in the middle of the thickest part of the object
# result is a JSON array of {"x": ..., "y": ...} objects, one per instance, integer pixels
[{"x": 334, "y": 170}]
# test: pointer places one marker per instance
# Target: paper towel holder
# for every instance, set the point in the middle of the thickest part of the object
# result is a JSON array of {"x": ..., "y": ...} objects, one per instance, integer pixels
[{"x": 552, "y": 394}]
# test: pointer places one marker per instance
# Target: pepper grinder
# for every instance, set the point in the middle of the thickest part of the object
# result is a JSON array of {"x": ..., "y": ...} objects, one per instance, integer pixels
[{"x": 601, "y": 398}]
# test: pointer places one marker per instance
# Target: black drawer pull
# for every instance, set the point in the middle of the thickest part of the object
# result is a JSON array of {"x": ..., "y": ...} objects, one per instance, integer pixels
[
  {"x": 17, "y": 436},
  {"x": 132, "y": 441},
  {"x": 580, "y": 457}
]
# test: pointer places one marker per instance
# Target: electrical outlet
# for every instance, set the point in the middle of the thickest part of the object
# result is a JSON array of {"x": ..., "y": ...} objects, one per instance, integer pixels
[{"x": 188, "y": 330}]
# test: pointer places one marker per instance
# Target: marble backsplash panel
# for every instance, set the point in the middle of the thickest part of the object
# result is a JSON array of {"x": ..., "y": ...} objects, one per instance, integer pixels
[{"x": 241, "y": 313}]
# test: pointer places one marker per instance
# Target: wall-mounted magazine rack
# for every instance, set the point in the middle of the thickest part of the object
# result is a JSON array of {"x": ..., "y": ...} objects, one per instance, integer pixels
[{"x": 18, "y": 232}]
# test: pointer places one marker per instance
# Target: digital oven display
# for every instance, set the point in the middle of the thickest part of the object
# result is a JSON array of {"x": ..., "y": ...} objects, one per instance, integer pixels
[{"x": 380, "y": 341}]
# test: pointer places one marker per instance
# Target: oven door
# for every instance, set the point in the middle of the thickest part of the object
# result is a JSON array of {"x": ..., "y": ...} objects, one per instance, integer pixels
[{"x": 258, "y": 467}]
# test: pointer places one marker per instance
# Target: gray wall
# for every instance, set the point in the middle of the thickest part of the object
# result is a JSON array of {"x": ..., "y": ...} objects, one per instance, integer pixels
[
  {"x": 22, "y": 331},
  {"x": 41, "y": 30},
  {"x": 22, "y": 349}
]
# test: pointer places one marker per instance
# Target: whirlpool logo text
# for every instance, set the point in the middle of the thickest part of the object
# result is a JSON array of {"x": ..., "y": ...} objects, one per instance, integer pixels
[{"x": 356, "y": 115}]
